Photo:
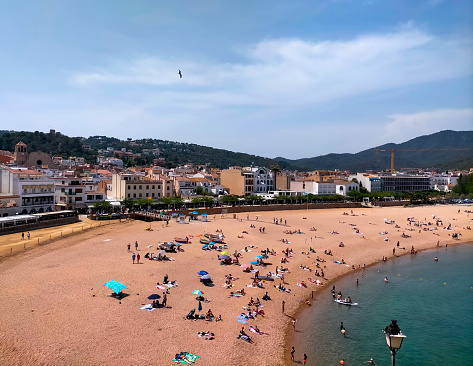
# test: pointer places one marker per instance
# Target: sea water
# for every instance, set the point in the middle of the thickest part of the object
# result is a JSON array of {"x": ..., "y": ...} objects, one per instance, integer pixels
[{"x": 431, "y": 301}]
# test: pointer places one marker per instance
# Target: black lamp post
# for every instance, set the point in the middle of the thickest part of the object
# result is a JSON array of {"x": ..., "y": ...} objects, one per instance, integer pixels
[{"x": 394, "y": 338}]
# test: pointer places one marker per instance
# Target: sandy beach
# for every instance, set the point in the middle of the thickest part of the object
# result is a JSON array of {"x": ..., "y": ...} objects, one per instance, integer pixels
[{"x": 55, "y": 311}]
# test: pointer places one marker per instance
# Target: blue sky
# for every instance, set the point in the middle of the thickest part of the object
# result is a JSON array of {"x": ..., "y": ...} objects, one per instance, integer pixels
[{"x": 273, "y": 78}]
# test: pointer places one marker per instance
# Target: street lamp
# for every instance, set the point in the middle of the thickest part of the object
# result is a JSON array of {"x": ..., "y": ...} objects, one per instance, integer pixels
[{"x": 394, "y": 338}]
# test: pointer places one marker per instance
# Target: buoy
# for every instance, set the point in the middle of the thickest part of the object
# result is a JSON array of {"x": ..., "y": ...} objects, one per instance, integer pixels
[
  {"x": 342, "y": 362},
  {"x": 421, "y": 279},
  {"x": 444, "y": 283}
]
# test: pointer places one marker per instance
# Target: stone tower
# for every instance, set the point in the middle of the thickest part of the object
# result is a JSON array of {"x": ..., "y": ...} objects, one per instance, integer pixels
[{"x": 21, "y": 154}]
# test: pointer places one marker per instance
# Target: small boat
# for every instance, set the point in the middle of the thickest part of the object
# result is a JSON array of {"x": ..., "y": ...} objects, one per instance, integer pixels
[
  {"x": 181, "y": 240},
  {"x": 343, "y": 302},
  {"x": 205, "y": 241}
]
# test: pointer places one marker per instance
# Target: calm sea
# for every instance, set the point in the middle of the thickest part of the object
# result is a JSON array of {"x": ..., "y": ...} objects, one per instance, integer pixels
[{"x": 432, "y": 302}]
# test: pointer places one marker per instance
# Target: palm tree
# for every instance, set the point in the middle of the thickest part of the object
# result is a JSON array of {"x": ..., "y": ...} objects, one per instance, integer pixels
[{"x": 275, "y": 170}]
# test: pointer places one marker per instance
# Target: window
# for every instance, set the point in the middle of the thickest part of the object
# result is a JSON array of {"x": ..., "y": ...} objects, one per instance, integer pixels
[
  {"x": 134, "y": 195},
  {"x": 159, "y": 186},
  {"x": 147, "y": 187},
  {"x": 167, "y": 188},
  {"x": 129, "y": 187},
  {"x": 152, "y": 194},
  {"x": 129, "y": 195},
  {"x": 134, "y": 187},
  {"x": 140, "y": 187},
  {"x": 152, "y": 187},
  {"x": 141, "y": 195}
]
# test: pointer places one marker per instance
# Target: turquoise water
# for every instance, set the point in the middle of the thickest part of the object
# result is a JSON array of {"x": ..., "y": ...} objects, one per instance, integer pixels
[{"x": 432, "y": 302}]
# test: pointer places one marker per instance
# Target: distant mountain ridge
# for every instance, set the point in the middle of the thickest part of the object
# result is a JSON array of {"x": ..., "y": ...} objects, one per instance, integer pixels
[
  {"x": 369, "y": 160},
  {"x": 177, "y": 153}
]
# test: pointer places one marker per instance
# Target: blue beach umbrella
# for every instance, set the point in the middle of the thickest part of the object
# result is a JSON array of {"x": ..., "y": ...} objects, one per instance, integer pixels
[
  {"x": 178, "y": 245},
  {"x": 212, "y": 243},
  {"x": 115, "y": 286},
  {"x": 201, "y": 273},
  {"x": 254, "y": 262},
  {"x": 205, "y": 246},
  {"x": 205, "y": 277},
  {"x": 154, "y": 297},
  {"x": 195, "y": 212},
  {"x": 259, "y": 257}
]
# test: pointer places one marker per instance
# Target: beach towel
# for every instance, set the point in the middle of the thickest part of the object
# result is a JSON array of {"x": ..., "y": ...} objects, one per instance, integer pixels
[
  {"x": 301, "y": 285},
  {"x": 161, "y": 287},
  {"x": 189, "y": 359},
  {"x": 235, "y": 295},
  {"x": 147, "y": 307},
  {"x": 255, "y": 331},
  {"x": 171, "y": 285},
  {"x": 241, "y": 321}
]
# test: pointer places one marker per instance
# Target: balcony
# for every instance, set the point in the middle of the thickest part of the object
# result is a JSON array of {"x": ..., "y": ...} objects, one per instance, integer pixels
[{"x": 69, "y": 193}]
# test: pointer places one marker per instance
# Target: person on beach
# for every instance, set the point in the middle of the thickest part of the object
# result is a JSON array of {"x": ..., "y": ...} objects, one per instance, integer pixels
[
  {"x": 129, "y": 246},
  {"x": 28, "y": 235},
  {"x": 136, "y": 245},
  {"x": 304, "y": 359},
  {"x": 133, "y": 257},
  {"x": 283, "y": 303},
  {"x": 138, "y": 258},
  {"x": 165, "y": 299},
  {"x": 294, "y": 323},
  {"x": 22, "y": 236},
  {"x": 292, "y": 353}
]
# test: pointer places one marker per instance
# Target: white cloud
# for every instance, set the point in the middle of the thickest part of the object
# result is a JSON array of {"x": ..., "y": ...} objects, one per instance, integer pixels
[
  {"x": 403, "y": 127},
  {"x": 297, "y": 73}
]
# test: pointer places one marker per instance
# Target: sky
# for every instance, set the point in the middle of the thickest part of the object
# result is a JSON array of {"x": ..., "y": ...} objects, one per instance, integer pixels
[{"x": 295, "y": 79}]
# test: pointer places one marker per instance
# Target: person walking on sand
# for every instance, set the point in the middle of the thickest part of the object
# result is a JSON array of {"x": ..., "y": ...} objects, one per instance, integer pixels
[
  {"x": 129, "y": 246},
  {"x": 294, "y": 323},
  {"x": 136, "y": 245},
  {"x": 165, "y": 299},
  {"x": 28, "y": 235},
  {"x": 394, "y": 250},
  {"x": 305, "y": 359},
  {"x": 138, "y": 258},
  {"x": 22, "y": 236},
  {"x": 283, "y": 303},
  {"x": 133, "y": 257},
  {"x": 292, "y": 353}
]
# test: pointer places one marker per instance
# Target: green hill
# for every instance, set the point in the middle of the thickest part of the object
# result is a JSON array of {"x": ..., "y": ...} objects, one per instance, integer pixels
[
  {"x": 368, "y": 159},
  {"x": 177, "y": 153}
]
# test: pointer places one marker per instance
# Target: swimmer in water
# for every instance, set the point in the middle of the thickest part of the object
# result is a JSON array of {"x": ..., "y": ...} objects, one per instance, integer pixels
[
  {"x": 436, "y": 259},
  {"x": 386, "y": 279},
  {"x": 371, "y": 362}
]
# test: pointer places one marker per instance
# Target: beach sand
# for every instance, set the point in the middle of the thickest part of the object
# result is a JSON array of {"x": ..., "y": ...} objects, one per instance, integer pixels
[{"x": 55, "y": 311}]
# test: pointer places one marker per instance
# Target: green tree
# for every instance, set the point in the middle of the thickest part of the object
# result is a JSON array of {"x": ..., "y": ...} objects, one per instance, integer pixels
[
  {"x": 199, "y": 190},
  {"x": 103, "y": 206},
  {"x": 127, "y": 202}
]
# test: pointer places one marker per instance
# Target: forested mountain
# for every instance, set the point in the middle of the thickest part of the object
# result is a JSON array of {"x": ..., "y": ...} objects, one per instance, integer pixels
[
  {"x": 368, "y": 159},
  {"x": 177, "y": 153}
]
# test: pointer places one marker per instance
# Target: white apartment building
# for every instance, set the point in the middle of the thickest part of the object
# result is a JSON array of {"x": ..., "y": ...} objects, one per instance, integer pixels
[
  {"x": 324, "y": 188},
  {"x": 32, "y": 190},
  {"x": 369, "y": 181},
  {"x": 443, "y": 182},
  {"x": 77, "y": 193}
]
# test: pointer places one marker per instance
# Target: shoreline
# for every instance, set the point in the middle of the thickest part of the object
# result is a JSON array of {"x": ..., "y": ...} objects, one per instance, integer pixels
[
  {"x": 67, "y": 269},
  {"x": 290, "y": 335}
]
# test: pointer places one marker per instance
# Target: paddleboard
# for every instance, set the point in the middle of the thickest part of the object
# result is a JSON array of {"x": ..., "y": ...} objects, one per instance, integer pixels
[{"x": 346, "y": 303}]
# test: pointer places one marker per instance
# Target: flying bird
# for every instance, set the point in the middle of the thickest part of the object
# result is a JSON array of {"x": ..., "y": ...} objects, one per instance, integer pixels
[{"x": 180, "y": 74}]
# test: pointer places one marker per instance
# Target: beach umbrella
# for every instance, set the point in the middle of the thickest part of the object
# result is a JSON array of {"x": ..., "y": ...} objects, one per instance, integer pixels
[
  {"x": 224, "y": 257},
  {"x": 244, "y": 266},
  {"x": 178, "y": 245},
  {"x": 197, "y": 292},
  {"x": 205, "y": 277},
  {"x": 212, "y": 243},
  {"x": 154, "y": 297},
  {"x": 259, "y": 257},
  {"x": 205, "y": 246},
  {"x": 254, "y": 262},
  {"x": 195, "y": 212},
  {"x": 224, "y": 252},
  {"x": 202, "y": 273},
  {"x": 200, "y": 306},
  {"x": 115, "y": 286}
]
